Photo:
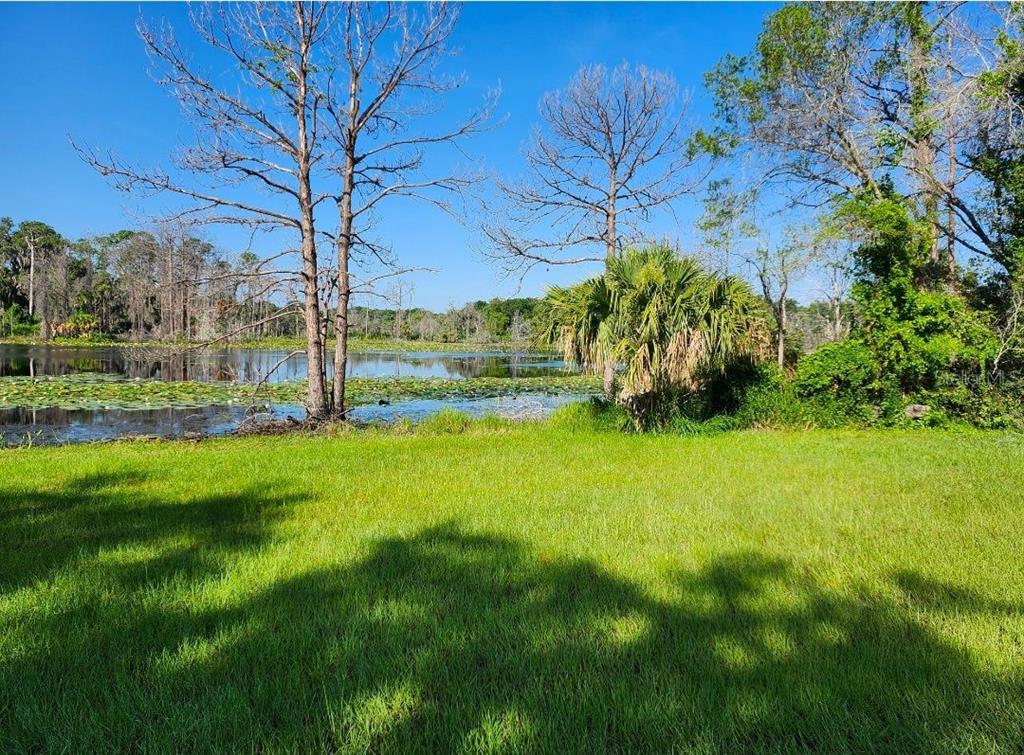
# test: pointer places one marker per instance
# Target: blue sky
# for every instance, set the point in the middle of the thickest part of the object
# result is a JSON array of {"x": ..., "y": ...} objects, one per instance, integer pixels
[{"x": 80, "y": 70}]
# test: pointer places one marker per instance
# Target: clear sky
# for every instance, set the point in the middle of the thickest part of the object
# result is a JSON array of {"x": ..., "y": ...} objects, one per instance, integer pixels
[{"x": 80, "y": 70}]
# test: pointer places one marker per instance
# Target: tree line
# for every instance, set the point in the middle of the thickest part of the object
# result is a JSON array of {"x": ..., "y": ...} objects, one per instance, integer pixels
[{"x": 169, "y": 285}]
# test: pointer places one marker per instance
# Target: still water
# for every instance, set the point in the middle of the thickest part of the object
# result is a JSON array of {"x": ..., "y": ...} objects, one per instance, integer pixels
[
  {"x": 19, "y": 427},
  {"x": 252, "y": 365},
  {"x": 22, "y": 426}
]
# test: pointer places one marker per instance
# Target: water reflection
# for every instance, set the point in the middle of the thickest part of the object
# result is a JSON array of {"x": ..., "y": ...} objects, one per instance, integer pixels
[
  {"x": 49, "y": 426},
  {"x": 46, "y": 426},
  {"x": 252, "y": 365}
]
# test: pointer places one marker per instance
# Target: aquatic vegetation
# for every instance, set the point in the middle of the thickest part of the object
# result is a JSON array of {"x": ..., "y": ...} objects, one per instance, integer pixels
[{"x": 99, "y": 391}]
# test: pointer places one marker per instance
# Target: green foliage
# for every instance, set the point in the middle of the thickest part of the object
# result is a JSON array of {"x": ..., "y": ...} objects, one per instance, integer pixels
[
  {"x": 915, "y": 337},
  {"x": 957, "y": 401},
  {"x": 665, "y": 320},
  {"x": 15, "y": 322},
  {"x": 595, "y": 415},
  {"x": 844, "y": 371}
]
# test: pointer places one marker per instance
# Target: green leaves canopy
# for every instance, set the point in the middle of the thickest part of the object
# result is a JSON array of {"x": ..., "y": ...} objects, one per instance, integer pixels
[{"x": 661, "y": 317}]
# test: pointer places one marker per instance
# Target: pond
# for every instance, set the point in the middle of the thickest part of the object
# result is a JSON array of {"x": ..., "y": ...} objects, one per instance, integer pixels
[
  {"x": 19, "y": 427},
  {"x": 252, "y": 365},
  {"x": 24, "y": 425}
]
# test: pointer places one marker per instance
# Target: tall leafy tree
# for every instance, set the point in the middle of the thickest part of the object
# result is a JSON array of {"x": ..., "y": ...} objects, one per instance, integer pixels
[{"x": 837, "y": 98}]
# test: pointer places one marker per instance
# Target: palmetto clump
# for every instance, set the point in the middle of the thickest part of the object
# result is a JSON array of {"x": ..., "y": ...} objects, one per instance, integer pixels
[{"x": 661, "y": 319}]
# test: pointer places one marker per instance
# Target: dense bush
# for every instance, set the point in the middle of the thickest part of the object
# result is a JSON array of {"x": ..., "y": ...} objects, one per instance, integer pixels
[
  {"x": 78, "y": 325},
  {"x": 838, "y": 380},
  {"x": 593, "y": 415}
]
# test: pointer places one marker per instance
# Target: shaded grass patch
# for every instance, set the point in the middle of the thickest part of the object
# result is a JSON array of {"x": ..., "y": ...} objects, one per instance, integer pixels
[{"x": 532, "y": 590}]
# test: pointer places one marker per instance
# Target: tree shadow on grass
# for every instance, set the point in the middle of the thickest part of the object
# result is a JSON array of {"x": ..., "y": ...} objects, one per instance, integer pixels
[
  {"x": 43, "y": 531},
  {"x": 936, "y": 596},
  {"x": 450, "y": 640}
]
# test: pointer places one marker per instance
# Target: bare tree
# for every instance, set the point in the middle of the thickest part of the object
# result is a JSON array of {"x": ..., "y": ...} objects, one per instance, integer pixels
[
  {"x": 383, "y": 89},
  {"x": 401, "y": 297},
  {"x": 776, "y": 266},
  {"x": 726, "y": 221},
  {"x": 257, "y": 131},
  {"x": 1009, "y": 331},
  {"x": 612, "y": 149}
]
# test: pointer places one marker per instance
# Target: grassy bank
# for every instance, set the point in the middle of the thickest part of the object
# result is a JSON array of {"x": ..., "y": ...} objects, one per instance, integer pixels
[
  {"x": 294, "y": 344},
  {"x": 519, "y": 589},
  {"x": 97, "y": 391}
]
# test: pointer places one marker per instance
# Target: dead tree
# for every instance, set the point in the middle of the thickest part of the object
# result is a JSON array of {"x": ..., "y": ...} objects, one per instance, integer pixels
[
  {"x": 384, "y": 84},
  {"x": 611, "y": 150},
  {"x": 258, "y": 130},
  {"x": 776, "y": 266}
]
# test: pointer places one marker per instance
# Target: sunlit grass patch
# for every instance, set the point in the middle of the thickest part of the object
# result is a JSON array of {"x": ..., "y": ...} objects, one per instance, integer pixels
[{"x": 525, "y": 588}]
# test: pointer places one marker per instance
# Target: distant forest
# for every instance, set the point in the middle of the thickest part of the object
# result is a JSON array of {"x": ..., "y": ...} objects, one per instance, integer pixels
[{"x": 168, "y": 285}]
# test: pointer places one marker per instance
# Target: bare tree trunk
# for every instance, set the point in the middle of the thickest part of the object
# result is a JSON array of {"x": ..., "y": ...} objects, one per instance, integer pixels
[
  {"x": 316, "y": 399},
  {"x": 348, "y": 180},
  {"x": 344, "y": 293},
  {"x": 951, "y": 215},
  {"x": 781, "y": 345},
  {"x": 608, "y": 383},
  {"x": 31, "y": 276},
  {"x": 610, "y": 237},
  {"x": 398, "y": 311},
  {"x": 610, "y": 240},
  {"x": 167, "y": 295},
  {"x": 923, "y": 152},
  {"x": 44, "y": 324},
  {"x": 316, "y": 405},
  {"x": 837, "y": 311},
  {"x": 950, "y": 183}
]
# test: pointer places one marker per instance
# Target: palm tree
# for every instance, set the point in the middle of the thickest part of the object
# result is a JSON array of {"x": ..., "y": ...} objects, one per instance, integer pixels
[
  {"x": 579, "y": 321},
  {"x": 663, "y": 320}
]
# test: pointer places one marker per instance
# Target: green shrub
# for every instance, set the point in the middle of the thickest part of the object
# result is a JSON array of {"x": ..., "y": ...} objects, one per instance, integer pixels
[
  {"x": 25, "y": 330},
  {"x": 589, "y": 416},
  {"x": 844, "y": 371},
  {"x": 720, "y": 423},
  {"x": 963, "y": 402},
  {"x": 766, "y": 399}
]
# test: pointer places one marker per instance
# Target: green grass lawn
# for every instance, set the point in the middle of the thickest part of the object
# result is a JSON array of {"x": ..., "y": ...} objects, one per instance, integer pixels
[{"x": 521, "y": 590}]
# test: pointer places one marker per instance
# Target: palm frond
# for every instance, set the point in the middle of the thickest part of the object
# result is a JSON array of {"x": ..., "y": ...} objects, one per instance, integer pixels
[{"x": 662, "y": 318}]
